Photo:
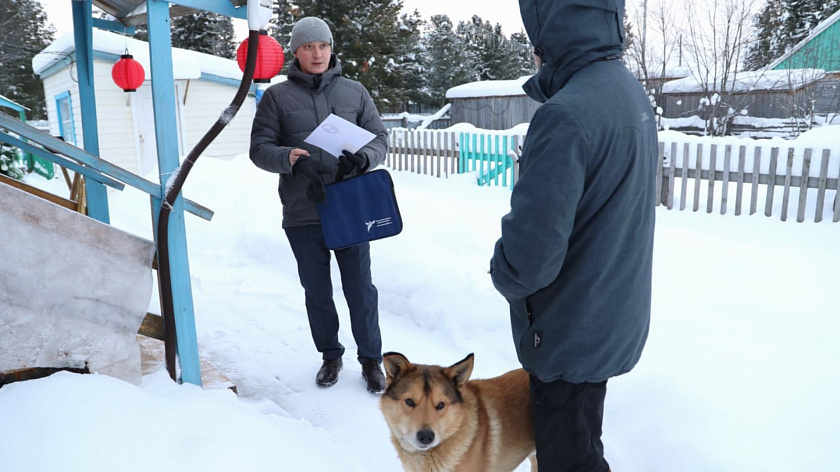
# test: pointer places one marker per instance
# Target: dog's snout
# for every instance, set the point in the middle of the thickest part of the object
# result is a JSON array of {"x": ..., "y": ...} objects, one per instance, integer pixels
[{"x": 425, "y": 436}]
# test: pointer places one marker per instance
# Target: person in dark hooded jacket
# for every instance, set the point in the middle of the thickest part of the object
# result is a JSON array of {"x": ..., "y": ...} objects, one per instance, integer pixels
[
  {"x": 287, "y": 113},
  {"x": 575, "y": 256}
]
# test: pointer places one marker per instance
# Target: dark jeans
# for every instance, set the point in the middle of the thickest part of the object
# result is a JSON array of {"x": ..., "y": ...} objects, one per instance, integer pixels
[
  {"x": 567, "y": 425},
  {"x": 313, "y": 261}
]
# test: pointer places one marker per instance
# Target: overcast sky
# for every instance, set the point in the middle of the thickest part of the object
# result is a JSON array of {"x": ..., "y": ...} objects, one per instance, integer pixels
[{"x": 504, "y": 12}]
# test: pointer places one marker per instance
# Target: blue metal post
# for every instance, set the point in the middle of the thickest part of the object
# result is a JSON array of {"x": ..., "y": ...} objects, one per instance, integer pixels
[
  {"x": 462, "y": 152},
  {"x": 163, "y": 100},
  {"x": 97, "y": 195},
  {"x": 482, "y": 159},
  {"x": 497, "y": 163}
]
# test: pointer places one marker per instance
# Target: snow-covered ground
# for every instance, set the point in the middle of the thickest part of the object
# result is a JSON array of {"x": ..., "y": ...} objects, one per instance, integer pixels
[{"x": 740, "y": 372}]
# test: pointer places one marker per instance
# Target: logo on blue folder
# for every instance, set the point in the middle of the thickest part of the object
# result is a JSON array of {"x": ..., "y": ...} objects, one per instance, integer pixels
[{"x": 378, "y": 223}]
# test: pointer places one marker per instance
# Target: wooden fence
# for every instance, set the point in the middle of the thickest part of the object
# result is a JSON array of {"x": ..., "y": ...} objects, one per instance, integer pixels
[
  {"x": 494, "y": 157},
  {"x": 775, "y": 178},
  {"x": 423, "y": 152},
  {"x": 700, "y": 173}
]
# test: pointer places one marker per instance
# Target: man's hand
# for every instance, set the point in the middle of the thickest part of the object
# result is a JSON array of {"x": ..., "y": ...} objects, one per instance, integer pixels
[
  {"x": 304, "y": 166},
  {"x": 349, "y": 163},
  {"x": 296, "y": 154}
]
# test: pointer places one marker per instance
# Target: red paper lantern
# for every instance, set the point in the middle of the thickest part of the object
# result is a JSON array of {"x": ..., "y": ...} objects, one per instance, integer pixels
[
  {"x": 127, "y": 73},
  {"x": 269, "y": 58}
]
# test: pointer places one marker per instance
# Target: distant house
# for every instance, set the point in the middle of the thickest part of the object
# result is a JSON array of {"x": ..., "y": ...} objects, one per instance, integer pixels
[
  {"x": 760, "y": 94},
  {"x": 491, "y": 104},
  {"x": 820, "y": 50},
  {"x": 656, "y": 79},
  {"x": 795, "y": 92},
  {"x": 204, "y": 87}
]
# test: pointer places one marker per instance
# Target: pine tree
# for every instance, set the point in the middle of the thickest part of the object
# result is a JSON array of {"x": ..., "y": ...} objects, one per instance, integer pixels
[
  {"x": 201, "y": 32},
  {"x": 448, "y": 61},
  {"x": 497, "y": 57},
  {"x": 521, "y": 56},
  {"x": 409, "y": 75},
  {"x": 205, "y": 32},
  {"x": 366, "y": 39},
  {"x": 24, "y": 32},
  {"x": 10, "y": 164},
  {"x": 768, "y": 45},
  {"x": 280, "y": 27}
]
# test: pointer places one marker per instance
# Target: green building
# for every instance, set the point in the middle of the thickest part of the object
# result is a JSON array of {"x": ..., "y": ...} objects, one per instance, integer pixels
[{"x": 820, "y": 50}]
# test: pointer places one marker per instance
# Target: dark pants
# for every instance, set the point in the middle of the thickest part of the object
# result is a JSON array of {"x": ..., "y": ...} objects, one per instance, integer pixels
[
  {"x": 313, "y": 261},
  {"x": 567, "y": 425}
]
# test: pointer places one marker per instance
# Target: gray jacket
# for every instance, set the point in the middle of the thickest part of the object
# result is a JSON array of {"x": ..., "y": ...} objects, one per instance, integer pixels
[
  {"x": 292, "y": 109},
  {"x": 574, "y": 259}
]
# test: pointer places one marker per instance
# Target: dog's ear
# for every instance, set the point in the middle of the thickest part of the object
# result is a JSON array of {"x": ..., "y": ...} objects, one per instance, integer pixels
[
  {"x": 395, "y": 365},
  {"x": 461, "y": 371}
]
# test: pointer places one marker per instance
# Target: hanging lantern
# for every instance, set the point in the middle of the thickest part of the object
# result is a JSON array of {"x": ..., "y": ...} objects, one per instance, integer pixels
[
  {"x": 269, "y": 58},
  {"x": 127, "y": 73}
]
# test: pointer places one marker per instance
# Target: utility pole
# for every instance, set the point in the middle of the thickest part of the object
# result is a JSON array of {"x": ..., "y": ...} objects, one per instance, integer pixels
[{"x": 644, "y": 27}]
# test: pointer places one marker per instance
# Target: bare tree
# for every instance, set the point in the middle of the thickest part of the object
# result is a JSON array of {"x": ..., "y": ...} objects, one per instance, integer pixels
[
  {"x": 717, "y": 40},
  {"x": 658, "y": 51}
]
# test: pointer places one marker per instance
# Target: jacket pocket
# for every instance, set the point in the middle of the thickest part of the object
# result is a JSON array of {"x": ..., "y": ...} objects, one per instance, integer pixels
[
  {"x": 349, "y": 114},
  {"x": 527, "y": 336},
  {"x": 298, "y": 123}
]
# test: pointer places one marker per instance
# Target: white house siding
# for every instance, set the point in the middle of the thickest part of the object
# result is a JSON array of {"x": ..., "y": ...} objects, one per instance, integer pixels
[
  {"x": 204, "y": 103},
  {"x": 118, "y": 138},
  {"x": 113, "y": 113},
  {"x": 115, "y": 123},
  {"x": 55, "y": 85}
]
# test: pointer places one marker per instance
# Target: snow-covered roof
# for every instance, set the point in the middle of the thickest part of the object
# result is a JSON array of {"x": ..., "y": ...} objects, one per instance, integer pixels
[
  {"x": 670, "y": 73},
  {"x": 185, "y": 64},
  {"x": 752, "y": 81},
  {"x": 489, "y": 88},
  {"x": 814, "y": 33}
]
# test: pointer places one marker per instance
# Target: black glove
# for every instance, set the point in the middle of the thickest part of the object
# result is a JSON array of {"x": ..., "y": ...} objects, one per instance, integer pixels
[
  {"x": 305, "y": 168},
  {"x": 348, "y": 163}
]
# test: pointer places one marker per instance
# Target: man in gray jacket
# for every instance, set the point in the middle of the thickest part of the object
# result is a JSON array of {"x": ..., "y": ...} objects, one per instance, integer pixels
[
  {"x": 287, "y": 113},
  {"x": 574, "y": 259}
]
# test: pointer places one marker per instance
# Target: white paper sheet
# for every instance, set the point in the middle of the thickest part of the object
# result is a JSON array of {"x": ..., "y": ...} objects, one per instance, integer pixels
[{"x": 335, "y": 134}]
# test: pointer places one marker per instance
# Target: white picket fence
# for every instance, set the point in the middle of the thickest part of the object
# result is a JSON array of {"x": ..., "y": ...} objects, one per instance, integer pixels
[
  {"x": 748, "y": 176},
  {"x": 425, "y": 152}
]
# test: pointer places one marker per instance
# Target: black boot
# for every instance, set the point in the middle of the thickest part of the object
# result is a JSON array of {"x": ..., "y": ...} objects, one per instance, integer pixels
[
  {"x": 328, "y": 373},
  {"x": 372, "y": 373}
]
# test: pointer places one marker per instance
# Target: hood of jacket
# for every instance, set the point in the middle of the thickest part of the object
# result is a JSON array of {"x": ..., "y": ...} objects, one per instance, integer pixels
[
  {"x": 318, "y": 80},
  {"x": 567, "y": 35}
]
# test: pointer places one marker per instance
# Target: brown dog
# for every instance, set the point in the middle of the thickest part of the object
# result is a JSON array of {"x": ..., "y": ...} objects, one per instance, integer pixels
[{"x": 441, "y": 421}]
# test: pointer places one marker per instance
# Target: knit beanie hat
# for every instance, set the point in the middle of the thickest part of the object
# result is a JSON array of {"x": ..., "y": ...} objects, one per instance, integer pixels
[{"x": 310, "y": 29}]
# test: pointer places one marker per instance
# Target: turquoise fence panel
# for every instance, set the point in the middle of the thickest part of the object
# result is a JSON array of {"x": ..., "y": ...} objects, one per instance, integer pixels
[
  {"x": 491, "y": 156},
  {"x": 40, "y": 166}
]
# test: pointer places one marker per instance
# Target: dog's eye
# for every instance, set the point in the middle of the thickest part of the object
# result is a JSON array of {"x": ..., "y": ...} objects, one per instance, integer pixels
[
  {"x": 410, "y": 402},
  {"x": 440, "y": 406}
]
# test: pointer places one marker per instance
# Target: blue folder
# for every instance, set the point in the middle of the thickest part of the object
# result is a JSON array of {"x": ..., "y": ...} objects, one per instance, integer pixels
[{"x": 360, "y": 209}]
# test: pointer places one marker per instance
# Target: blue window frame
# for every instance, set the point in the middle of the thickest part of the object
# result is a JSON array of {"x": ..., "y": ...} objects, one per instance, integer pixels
[{"x": 66, "y": 125}]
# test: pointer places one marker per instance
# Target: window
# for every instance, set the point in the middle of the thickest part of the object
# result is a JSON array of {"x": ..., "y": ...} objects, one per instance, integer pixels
[{"x": 66, "y": 127}]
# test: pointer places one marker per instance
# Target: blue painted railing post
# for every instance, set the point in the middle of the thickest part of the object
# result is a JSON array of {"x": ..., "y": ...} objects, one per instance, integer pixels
[
  {"x": 163, "y": 101},
  {"x": 495, "y": 163},
  {"x": 462, "y": 152},
  {"x": 505, "y": 159},
  {"x": 97, "y": 195}
]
